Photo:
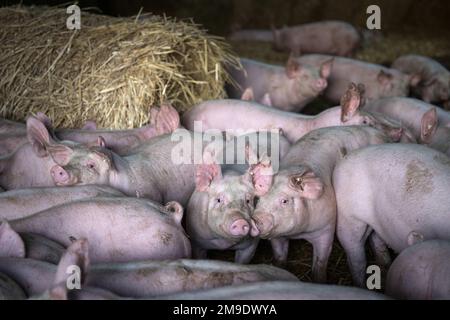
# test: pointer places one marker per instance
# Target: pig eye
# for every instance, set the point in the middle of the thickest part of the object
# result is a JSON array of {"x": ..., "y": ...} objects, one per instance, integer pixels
[
  {"x": 365, "y": 121},
  {"x": 284, "y": 201},
  {"x": 91, "y": 164}
]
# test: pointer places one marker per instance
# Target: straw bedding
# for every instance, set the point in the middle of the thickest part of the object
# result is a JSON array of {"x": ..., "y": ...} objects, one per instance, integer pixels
[{"x": 112, "y": 70}]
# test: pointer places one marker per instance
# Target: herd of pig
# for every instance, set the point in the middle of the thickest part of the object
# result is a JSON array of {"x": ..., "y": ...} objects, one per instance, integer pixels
[{"x": 113, "y": 207}]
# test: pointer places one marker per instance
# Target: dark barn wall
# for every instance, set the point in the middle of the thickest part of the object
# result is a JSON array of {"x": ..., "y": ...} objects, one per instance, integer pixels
[{"x": 220, "y": 16}]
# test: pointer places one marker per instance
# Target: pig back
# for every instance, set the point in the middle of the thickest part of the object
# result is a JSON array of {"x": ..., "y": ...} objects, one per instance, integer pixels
[
  {"x": 421, "y": 271},
  {"x": 396, "y": 188}
]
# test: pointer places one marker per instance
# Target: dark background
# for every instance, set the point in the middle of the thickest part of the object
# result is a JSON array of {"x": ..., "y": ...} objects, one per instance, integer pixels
[{"x": 221, "y": 16}]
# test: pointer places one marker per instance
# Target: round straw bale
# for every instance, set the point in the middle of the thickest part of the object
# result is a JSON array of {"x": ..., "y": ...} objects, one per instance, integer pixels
[{"x": 111, "y": 70}]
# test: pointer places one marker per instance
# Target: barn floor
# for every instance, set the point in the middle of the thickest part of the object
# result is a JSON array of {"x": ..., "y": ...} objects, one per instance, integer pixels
[{"x": 383, "y": 52}]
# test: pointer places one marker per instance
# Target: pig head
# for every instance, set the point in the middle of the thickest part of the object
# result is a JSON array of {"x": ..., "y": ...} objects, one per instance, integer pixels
[
  {"x": 219, "y": 211},
  {"x": 39, "y": 162}
]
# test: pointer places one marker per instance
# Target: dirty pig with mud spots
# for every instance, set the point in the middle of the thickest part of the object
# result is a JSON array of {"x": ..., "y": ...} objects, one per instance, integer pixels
[{"x": 392, "y": 190}]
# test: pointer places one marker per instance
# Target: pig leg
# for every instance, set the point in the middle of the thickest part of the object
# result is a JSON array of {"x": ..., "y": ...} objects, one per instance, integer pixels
[
  {"x": 352, "y": 235},
  {"x": 245, "y": 255},
  {"x": 380, "y": 249},
  {"x": 280, "y": 249},
  {"x": 322, "y": 246}
]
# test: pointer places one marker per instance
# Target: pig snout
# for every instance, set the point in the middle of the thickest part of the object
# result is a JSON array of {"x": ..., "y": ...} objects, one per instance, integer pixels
[
  {"x": 264, "y": 223},
  {"x": 60, "y": 176},
  {"x": 320, "y": 84},
  {"x": 239, "y": 227}
]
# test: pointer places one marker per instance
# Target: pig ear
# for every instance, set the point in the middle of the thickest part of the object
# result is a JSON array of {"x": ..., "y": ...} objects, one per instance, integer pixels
[
  {"x": 205, "y": 175},
  {"x": 175, "y": 209},
  {"x": 325, "y": 68},
  {"x": 75, "y": 257},
  {"x": 428, "y": 125},
  {"x": 395, "y": 134},
  {"x": 101, "y": 142},
  {"x": 307, "y": 184},
  {"x": 45, "y": 120},
  {"x": 60, "y": 153},
  {"x": 248, "y": 94},
  {"x": 38, "y": 136},
  {"x": 414, "y": 80},
  {"x": 266, "y": 100},
  {"x": 11, "y": 244},
  {"x": 90, "y": 125},
  {"x": 350, "y": 102},
  {"x": 164, "y": 119},
  {"x": 261, "y": 175},
  {"x": 292, "y": 67},
  {"x": 384, "y": 77}
]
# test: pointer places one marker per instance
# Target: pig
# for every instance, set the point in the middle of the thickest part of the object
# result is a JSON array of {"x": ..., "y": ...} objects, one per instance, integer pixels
[
  {"x": 219, "y": 210},
  {"x": 33, "y": 163},
  {"x": 9, "y": 289},
  {"x": 244, "y": 115},
  {"x": 147, "y": 279},
  {"x": 21, "y": 203},
  {"x": 392, "y": 189},
  {"x": 299, "y": 202},
  {"x": 290, "y": 87},
  {"x": 148, "y": 172},
  {"x": 379, "y": 81},
  {"x": 434, "y": 85},
  {"x": 163, "y": 120},
  {"x": 279, "y": 290},
  {"x": 328, "y": 37},
  {"x": 421, "y": 272},
  {"x": 430, "y": 125},
  {"x": 119, "y": 229},
  {"x": 28, "y": 245},
  {"x": 42, "y": 280},
  {"x": 153, "y": 278}
]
